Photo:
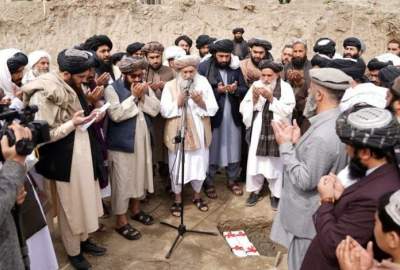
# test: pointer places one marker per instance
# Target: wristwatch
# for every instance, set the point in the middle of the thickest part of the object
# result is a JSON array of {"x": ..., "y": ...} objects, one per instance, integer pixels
[{"x": 328, "y": 200}]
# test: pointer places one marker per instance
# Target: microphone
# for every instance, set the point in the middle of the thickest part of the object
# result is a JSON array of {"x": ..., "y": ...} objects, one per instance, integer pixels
[{"x": 186, "y": 89}]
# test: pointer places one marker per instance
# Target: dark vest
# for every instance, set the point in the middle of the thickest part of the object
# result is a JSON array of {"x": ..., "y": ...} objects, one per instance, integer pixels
[{"x": 121, "y": 136}]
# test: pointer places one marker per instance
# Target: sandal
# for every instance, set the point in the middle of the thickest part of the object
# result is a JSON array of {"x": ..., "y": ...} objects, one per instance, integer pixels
[
  {"x": 143, "y": 218},
  {"x": 210, "y": 192},
  {"x": 176, "y": 209},
  {"x": 236, "y": 189},
  {"x": 200, "y": 204},
  {"x": 128, "y": 232}
]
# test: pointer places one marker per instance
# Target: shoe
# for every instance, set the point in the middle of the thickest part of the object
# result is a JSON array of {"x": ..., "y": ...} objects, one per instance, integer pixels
[
  {"x": 79, "y": 262},
  {"x": 91, "y": 248},
  {"x": 274, "y": 203},
  {"x": 253, "y": 199}
]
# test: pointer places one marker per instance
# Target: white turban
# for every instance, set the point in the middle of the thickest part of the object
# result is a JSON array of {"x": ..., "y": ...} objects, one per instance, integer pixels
[
  {"x": 386, "y": 57},
  {"x": 173, "y": 52},
  {"x": 367, "y": 93},
  {"x": 35, "y": 56},
  {"x": 6, "y": 83}
]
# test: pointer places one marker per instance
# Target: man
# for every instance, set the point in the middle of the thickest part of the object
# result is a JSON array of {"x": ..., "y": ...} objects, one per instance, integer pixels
[
  {"x": 102, "y": 46},
  {"x": 12, "y": 64},
  {"x": 286, "y": 55},
  {"x": 374, "y": 65},
  {"x": 393, "y": 46},
  {"x": 71, "y": 161},
  {"x": 202, "y": 43},
  {"x": 133, "y": 104},
  {"x": 296, "y": 73},
  {"x": 324, "y": 50},
  {"x": 201, "y": 105},
  {"x": 157, "y": 75},
  {"x": 12, "y": 177},
  {"x": 172, "y": 53},
  {"x": 371, "y": 135},
  {"x": 229, "y": 89},
  {"x": 240, "y": 47},
  {"x": 268, "y": 99},
  {"x": 305, "y": 162},
  {"x": 259, "y": 50},
  {"x": 387, "y": 75},
  {"x": 352, "y": 48},
  {"x": 185, "y": 43},
  {"x": 135, "y": 49},
  {"x": 38, "y": 64}
]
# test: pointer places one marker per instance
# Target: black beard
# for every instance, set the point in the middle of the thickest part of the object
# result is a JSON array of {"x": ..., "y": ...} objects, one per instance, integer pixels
[
  {"x": 127, "y": 84},
  {"x": 104, "y": 67},
  {"x": 254, "y": 62},
  {"x": 356, "y": 169},
  {"x": 221, "y": 65},
  {"x": 155, "y": 68},
  {"x": 71, "y": 83},
  {"x": 238, "y": 40},
  {"x": 298, "y": 62},
  {"x": 348, "y": 55}
]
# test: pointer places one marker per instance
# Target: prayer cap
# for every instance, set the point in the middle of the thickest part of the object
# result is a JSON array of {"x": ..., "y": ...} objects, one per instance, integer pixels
[
  {"x": 330, "y": 78},
  {"x": 352, "y": 41},
  {"x": 238, "y": 30},
  {"x": 16, "y": 61},
  {"x": 74, "y": 61},
  {"x": 185, "y": 38},
  {"x": 94, "y": 42},
  {"x": 134, "y": 47},
  {"x": 387, "y": 75},
  {"x": 185, "y": 61},
  {"x": 35, "y": 56},
  {"x": 174, "y": 52},
  {"x": 130, "y": 64},
  {"x": 375, "y": 64},
  {"x": 353, "y": 68},
  {"x": 393, "y": 207},
  {"x": 153, "y": 47},
  {"x": 275, "y": 67},
  {"x": 260, "y": 42},
  {"x": 222, "y": 45},
  {"x": 325, "y": 46},
  {"x": 202, "y": 40}
]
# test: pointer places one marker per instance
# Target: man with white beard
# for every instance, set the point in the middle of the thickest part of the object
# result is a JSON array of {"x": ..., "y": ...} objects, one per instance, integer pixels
[
  {"x": 305, "y": 161},
  {"x": 38, "y": 64}
]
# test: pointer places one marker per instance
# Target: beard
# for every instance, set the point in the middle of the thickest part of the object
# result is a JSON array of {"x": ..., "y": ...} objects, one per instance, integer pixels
[
  {"x": 356, "y": 169},
  {"x": 222, "y": 65},
  {"x": 238, "y": 40},
  {"x": 348, "y": 55},
  {"x": 155, "y": 66},
  {"x": 105, "y": 66},
  {"x": 255, "y": 61},
  {"x": 298, "y": 62},
  {"x": 185, "y": 84},
  {"x": 73, "y": 85},
  {"x": 310, "y": 108}
]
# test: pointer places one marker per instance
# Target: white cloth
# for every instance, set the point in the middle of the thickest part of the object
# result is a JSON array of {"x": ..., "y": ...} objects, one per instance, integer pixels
[
  {"x": 344, "y": 177},
  {"x": 367, "y": 93},
  {"x": 196, "y": 162},
  {"x": 269, "y": 167},
  {"x": 5, "y": 76},
  {"x": 173, "y": 52},
  {"x": 35, "y": 56},
  {"x": 386, "y": 57}
]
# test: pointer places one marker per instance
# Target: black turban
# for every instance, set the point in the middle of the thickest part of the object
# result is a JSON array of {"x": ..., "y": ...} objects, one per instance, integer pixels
[
  {"x": 275, "y": 67},
  {"x": 325, "y": 46},
  {"x": 94, "y": 42},
  {"x": 352, "y": 41},
  {"x": 387, "y": 75},
  {"x": 116, "y": 57},
  {"x": 375, "y": 64},
  {"x": 238, "y": 30},
  {"x": 353, "y": 68},
  {"x": 202, "y": 40},
  {"x": 18, "y": 60},
  {"x": 185, "y": 38},
  {"x": 222, "y": 45},
  {"x": 320, "y": 61},
  {"x": 74, "y": 61},
  {"x": 134, "y": 47},
  {"x": 260, "y": 43}
]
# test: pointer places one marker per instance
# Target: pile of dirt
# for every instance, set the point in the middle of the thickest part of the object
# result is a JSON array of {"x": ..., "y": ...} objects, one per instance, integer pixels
[{"x": 58, "y": 24}]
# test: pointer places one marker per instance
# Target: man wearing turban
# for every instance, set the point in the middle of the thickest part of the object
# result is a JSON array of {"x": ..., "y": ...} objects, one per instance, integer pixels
[
  {"x": 133, "y": 105},
  {"x": 38, "y": 64},
  {"x": 193, "y": 91},
  {"x": 72, "y": 160},
  {"x": 372, "y": 137},
  {"x": 374, "y": 65},
  {"x": 184, "y": 42},
  {"x": 202, "y": 43},
  {"x": 135, "y": 49},
  {"x": 259, "y": 50},
  {"x": 229, "y": 89},
  {"x": 12, "y": 64},
  {"x": 240, "y": 46}
]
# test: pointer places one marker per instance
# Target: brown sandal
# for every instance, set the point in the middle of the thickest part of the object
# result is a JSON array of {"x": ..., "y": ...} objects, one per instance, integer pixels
[
  {"x": 236, "y": 189},
  {"x": 200, "y": 204},
  {"x": 210, "y": 192},
  {"x": 176, "y": 209}
]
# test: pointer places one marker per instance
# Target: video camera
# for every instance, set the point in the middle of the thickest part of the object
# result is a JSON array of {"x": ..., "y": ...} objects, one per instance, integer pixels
[{"x": 39, "y": 129}]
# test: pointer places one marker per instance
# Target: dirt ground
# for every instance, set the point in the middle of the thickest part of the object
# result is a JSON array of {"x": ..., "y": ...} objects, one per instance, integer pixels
[{"x": 194, "y": 251}]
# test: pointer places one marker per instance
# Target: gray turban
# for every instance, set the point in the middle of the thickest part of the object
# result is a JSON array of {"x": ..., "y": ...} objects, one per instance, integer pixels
[{"x": 129, "y": 64}]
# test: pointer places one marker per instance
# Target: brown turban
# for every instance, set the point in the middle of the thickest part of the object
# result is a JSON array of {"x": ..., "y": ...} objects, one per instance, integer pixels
[
  {"x": 185, "y": 61},
  {"x": 130, "y": 64},
  {"x": 153, "y": 47}
]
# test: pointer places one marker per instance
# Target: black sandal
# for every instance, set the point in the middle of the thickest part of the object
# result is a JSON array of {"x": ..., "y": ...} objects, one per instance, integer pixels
[
  {"x": 210, "y": 192},
  {"x": 176, "y": 209},
  {"x": 143, "y": 218},
  {"x": 129, "y": 232},
  {"x": 200, "y": 204}
]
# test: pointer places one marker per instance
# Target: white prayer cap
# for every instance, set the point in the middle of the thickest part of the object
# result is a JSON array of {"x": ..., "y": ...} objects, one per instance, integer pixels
[
  {"x": 393, "y": 207},
  {"x": 174, "y": 52},
  {"x": 35, "y": 56},
  {"x": 367, "y": 93},
  {"x": 386, "y": 57}
]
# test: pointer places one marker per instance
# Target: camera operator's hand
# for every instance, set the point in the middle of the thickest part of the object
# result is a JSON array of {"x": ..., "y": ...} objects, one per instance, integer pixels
[
  {"x": 79, "y": 118},
  {"x": 10, "y": 153}
]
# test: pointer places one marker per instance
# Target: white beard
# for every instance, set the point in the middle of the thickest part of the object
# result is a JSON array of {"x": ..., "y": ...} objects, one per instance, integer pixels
[{"x": 310, "y": 108}]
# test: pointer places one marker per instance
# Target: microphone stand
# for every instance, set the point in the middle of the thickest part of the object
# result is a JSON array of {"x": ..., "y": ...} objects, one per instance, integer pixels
[{"x": 180, "y": 140}]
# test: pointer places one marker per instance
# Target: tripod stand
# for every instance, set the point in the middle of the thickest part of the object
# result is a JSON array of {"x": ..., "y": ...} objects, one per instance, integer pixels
[{"x": 180, "y": 140}]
